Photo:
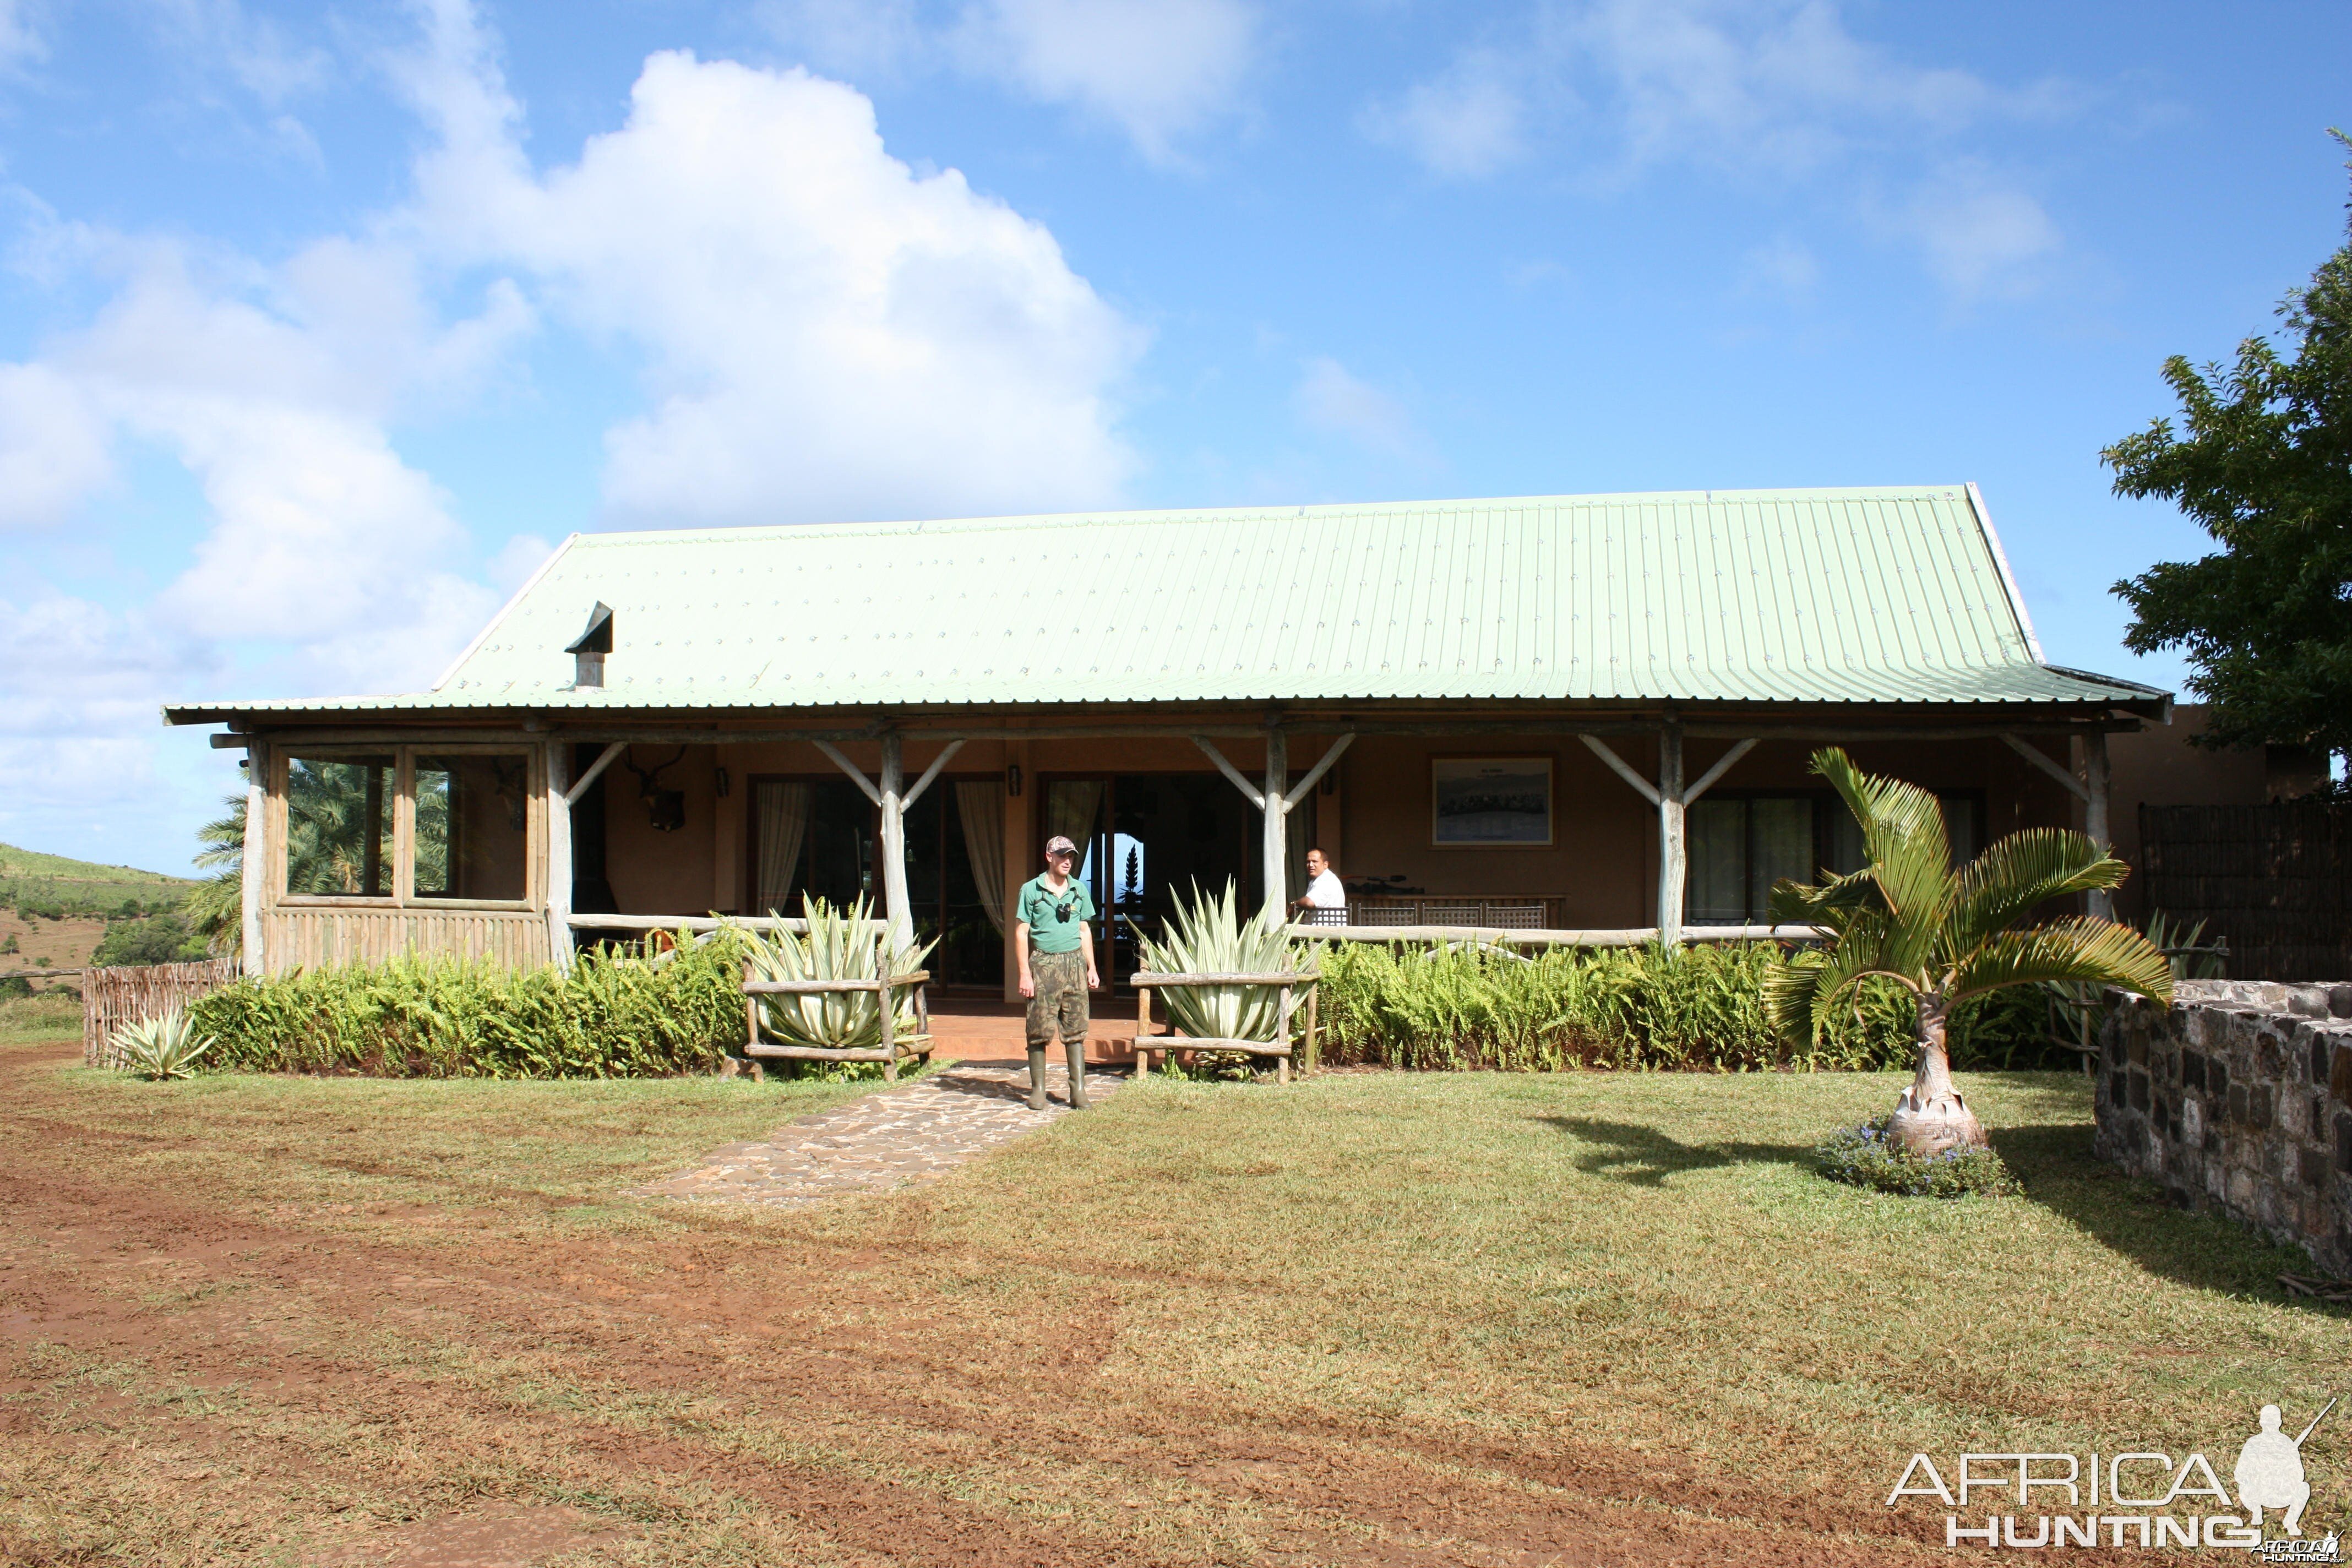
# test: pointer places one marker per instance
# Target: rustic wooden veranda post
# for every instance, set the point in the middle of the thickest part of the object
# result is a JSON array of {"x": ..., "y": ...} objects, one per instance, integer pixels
[
  {"x": 1673, "y": 861},
  {"x": 2096, "y": 778},
  {"x": 559, "y": 855},
  {"x": 900, "y": 918},
  {"x": 1277, "y": 826},
  {"x": 254, "y": 862}
]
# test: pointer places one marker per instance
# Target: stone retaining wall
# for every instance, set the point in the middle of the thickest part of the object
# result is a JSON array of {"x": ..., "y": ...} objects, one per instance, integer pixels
[{"x": 2238, "y": 1098}]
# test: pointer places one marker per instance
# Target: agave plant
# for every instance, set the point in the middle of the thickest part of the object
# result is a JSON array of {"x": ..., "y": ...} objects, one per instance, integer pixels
[
  {"x": 839, "y": 945},
  {"x": 1210, "y": 937},
  {"x": 1946, "y": 935},
  {"x": 160, "y": 1048}
]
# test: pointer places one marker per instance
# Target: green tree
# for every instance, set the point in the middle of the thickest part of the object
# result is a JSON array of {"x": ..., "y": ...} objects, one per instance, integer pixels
[
  {"x": 1945, "y": 935},
  {"x": 215, "y": 908},
  {"x": 162, "y": 940},
  {"x": 2265, "y": 467}
]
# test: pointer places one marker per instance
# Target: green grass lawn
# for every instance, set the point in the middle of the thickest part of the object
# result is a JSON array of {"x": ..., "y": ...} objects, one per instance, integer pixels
[{"x": 1370, "y": 1317}]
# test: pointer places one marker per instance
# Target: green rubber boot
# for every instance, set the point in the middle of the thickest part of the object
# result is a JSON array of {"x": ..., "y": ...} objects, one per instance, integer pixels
[
  {"x": 1037, "y": 1077},
  {"x": 1076, "y": 1050}
]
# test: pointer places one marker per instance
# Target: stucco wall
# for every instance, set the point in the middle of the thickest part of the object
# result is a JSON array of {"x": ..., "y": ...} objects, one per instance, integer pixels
[
  {"x": 2238, "y": 1098},
  {"x": 1375, "y": 821}
]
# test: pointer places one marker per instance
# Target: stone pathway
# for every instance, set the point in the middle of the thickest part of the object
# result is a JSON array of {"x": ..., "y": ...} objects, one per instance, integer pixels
[{"x": 893, "y": 1138}]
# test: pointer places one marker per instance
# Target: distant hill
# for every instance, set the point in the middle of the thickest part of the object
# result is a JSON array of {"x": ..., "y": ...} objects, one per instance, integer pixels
[{"x": 53, "y": 883}]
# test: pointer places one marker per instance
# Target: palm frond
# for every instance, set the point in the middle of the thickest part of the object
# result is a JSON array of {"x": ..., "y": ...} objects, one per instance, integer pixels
[
  {"x": 2079, "y": 948},
  {"x": 2015, "y": 874},
  {"x": 1828, "y": 904},
  {"x": 1903, "y": 831}
]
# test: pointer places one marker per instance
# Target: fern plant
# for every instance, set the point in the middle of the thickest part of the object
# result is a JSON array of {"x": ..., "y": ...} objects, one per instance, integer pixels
[
  {"x": 160, "y": 1048},
  {"x": 839, "y": 945},
  {"x": 1210, "y": 937}
]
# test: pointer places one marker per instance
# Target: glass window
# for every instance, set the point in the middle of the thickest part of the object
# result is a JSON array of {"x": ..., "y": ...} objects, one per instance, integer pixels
[
  {"x": 1738, "y": 845},
  {"x": 473, "y": 827},
  {"x": 1963, "y": 826},
  {"x": 338, "y": 826},
  {"x": 1781, "y": 844},
  {"x": 1848, "y": 853},
  {"x": 1718, "y": 849}
]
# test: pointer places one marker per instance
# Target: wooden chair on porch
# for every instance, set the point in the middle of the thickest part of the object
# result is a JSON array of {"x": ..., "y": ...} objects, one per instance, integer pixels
[
  {"x": 1281, "y": 1049},
  {"x": 885, "y": 986}
]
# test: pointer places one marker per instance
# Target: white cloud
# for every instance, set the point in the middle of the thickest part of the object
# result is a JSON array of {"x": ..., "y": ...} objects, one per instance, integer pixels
[
  {"x": 517, "y": 560},
  {"x": 1782, "y": 266},
  {"x": 20, "y": 39},
  {"x": 825, "y": 332},
  {"x": 828, "y": 332},
  {"x": 1980, "y": 235},
  {"x": 1330, "y": 399},
  {"x": 1158, "y": 70},
  {"x": 1760, "y": 84},
  {"x": 53, "y": 446},
  {"x": 1766, "y": 92},
  {"x": 1466, "y": 122}
]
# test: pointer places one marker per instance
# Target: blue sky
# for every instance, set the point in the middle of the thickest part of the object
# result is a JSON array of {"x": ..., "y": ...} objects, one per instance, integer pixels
[{"x": 319, "y": 324}]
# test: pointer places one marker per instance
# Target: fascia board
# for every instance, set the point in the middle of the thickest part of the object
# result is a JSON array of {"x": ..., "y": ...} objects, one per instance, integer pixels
[
  {"x": 2008, "y": 578},
  {"x": 483, "y": 635}
]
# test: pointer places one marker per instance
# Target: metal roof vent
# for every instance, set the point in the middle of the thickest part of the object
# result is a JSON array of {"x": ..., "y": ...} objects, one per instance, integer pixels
[{"x": 588, "y": 653}]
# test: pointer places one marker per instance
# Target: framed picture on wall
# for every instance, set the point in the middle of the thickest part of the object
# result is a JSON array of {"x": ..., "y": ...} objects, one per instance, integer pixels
[{"x": 1490, "y": 800}]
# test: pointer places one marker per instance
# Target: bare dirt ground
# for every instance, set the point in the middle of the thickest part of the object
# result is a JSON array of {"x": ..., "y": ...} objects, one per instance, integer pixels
[{"x": 339, "y": 1347}]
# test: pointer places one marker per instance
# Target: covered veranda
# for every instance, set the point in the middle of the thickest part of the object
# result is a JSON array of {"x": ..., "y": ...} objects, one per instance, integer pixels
[{"x": 1558, "y": 719}]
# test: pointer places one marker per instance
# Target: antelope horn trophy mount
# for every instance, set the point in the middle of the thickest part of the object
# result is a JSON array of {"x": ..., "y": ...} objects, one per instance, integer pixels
[{"x": 665, "y": 807}]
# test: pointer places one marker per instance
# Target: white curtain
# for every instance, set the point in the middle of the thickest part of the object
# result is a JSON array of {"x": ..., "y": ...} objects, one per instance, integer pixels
[
  {"x": 783, "y": 812},
  {"x": 980, "y": 805}
]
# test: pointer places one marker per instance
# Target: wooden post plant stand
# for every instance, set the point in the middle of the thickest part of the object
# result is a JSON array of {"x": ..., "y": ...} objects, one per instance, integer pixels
[
  {"x": 886, "y": 985},
  {"x": 1280, "y": 1048}
]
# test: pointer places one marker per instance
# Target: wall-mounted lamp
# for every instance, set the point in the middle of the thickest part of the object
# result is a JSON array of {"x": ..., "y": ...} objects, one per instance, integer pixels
[
  {"x": 1013, "y": 780},
  {"x": 719, "y": 781}
]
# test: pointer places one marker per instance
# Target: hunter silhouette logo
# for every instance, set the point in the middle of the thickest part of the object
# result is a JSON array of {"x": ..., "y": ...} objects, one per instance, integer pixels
[
  {"x": 2270, "y": 1471},
  {"x": 2129, "y": 1498}
]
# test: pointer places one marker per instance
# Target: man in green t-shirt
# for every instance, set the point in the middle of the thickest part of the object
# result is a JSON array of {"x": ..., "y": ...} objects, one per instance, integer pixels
[{"x": 1055, "y": 945}]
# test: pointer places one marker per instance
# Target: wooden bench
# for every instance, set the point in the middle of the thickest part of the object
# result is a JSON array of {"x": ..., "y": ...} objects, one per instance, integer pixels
[
  {"x": 885, "y": 987},
  {"x": 1147, "y": 1043}
]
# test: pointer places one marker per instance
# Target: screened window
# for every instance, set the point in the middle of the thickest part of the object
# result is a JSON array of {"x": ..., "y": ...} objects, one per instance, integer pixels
[
  {"x": 472, "y": 832},
  {"x": 338, "y": 826},
  {"x": 1740, "y": 845},
  {"x": 407, "y": 824}
]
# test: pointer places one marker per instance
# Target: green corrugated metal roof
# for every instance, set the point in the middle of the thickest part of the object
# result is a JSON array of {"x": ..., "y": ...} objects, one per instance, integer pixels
[{"x": 1819, "y": 596}]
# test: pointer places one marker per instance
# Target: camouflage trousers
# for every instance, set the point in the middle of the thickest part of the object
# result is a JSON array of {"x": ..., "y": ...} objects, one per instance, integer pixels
[{"x": 1060, "y": 1005}]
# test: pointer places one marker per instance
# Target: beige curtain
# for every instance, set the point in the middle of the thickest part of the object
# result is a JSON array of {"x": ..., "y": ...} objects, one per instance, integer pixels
[
  {"x": 783, "y": 813},
  {"x": 1070, "y": 808},
  {"x": 980, "y": 805}
]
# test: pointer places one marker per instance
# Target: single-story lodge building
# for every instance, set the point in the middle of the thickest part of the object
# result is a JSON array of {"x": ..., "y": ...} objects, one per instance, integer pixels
[{"x": 1585, "y": 714}]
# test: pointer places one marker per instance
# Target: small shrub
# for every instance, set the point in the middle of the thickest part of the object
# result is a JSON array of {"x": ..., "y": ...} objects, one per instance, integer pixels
[
  {"x": 1863, "y": 1157},
  {"x": 16, "y": 986},
  {"x": 1697, "y": 1007},
  {"x": 618, "y": 1014},
  {"x": 160, "y": 1048}
]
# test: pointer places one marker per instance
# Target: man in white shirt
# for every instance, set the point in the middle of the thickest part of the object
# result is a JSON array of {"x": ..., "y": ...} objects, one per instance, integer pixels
[{"x": 1325, "y": 902}]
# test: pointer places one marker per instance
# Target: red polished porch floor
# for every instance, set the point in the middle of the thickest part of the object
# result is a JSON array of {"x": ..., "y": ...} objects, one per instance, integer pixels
[{"x": 972, "y": 1028}]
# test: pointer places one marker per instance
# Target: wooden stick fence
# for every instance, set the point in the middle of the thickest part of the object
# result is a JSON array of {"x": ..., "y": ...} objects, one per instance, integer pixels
[{"x": 112, "y": 997}]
